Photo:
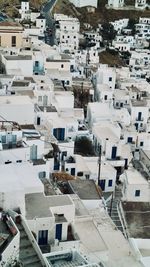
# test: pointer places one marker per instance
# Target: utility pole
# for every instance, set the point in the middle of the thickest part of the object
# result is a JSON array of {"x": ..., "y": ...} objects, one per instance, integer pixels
[
  {"x": 99, "y": 164},
  {"x": 111, "y": 203}
]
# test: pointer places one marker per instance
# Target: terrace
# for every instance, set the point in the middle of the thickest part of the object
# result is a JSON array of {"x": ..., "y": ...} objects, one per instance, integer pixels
[{"x": 67, "y": 259}]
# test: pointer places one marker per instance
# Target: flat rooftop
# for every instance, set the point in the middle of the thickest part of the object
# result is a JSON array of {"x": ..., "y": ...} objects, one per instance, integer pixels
[
  {"x": 44, "y": 204},
  {"x": 137, "y": 216},
  {"x": 15, "y": 100},
  {"x": 19, "y": 57},
  {"x": 135, "y": 177},
  {"x": 85, "y": 189},
  {"x": 139, "y": 103},
  {"x": 22, "y": 83}
]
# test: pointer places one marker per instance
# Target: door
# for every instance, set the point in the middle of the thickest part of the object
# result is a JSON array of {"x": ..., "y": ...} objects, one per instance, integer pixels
[
  {"x": 45, "y": 100},
  {"x": 43, "y": 237},
  {"x": 73, "y": 171},
  {"x": 58, "y": 233},
  {"x": 33, "y": 152},
  {"x": 59, "y": 133},
  {"x": 38, "y": 120},
  {"x": 139, "y": 116},
  {"x": 101, "y": 183},
  {"x": 114, "y": 152},
  {"x": 136, "y": 126},
  {"x": 62, "y": 134}
]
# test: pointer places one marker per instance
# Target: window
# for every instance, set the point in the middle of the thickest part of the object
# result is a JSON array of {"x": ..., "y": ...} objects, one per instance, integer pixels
[
  {"x": 80, "y": 174},
  {"x": 130, "y": 139},
  {"x": 39, "y": 98},
  {"x": 13, "y": 41},
  {"x": 141, "y": 143},
  {"x": 137, "y": 193},
  {"x": 3, "y": 138},
  {"x": 105, "y": 97},
  {"x": 62, "y": 66},
  {"x": 36, "y": 63},
  {"x": 110, "y": 182},
  {"x": 42, "y": 174},
  {"x": 110, "y": 79}
]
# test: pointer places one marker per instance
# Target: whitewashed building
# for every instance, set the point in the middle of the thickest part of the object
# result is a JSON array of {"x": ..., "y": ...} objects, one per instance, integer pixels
[
  {"x": 140, "y": 4},
  {"x": 67, "y": 32},
  {"x": 135, "y": 186},
  {"x": 115, "y": 3}
]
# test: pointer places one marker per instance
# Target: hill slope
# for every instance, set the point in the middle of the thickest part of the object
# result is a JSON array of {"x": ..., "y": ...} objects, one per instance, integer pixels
[{"x": 101, "y": 14}]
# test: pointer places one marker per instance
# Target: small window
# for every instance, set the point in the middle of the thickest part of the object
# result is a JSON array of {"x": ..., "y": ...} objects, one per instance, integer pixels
[
  {"x": 62, "y": 66},
  {"x": 36, "y": 63},
  {"x": 39, "y": 98},
  {"x": 141, "y": 143},
  {"x": 42, "y": 174},
  {"x": 105, "y": 97},
  {"x": 13, "y": 41},
  {"x": 80, "y": 174},
  {"x": 130, "y": 139},
  {"x": 110, "y": 79},
  {"x": 110, "y": 182},
  {"x": 137, "y": 193},
  {"x": 3, "y": 138}
]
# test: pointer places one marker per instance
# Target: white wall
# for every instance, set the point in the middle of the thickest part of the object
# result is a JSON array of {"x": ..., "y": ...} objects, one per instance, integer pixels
[
  {"x": 82, "y": 3},
  {"x": 22, "y": 113}
]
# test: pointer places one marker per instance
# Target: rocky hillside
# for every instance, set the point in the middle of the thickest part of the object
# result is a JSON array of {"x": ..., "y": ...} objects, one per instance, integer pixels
[
  {"x": 101, "y": 15},
  {"x": 10, "y": 7}
]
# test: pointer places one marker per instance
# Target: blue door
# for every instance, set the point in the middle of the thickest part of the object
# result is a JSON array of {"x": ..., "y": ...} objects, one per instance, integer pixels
[
  {"x": 58, "y": 233},
  {"x": 43, "y": 237},
  {"x": 73, "y": 171},
  {"x": 59, "y": 133},
  {"x": 33, "y": 152},
  {"x": 136, "y": 126},
  {"x": 101, "y": 183},
  {"x": 139, "y": 116},
  {"x": 62, "y": 134},
  {"x": 114, "y": 152}
]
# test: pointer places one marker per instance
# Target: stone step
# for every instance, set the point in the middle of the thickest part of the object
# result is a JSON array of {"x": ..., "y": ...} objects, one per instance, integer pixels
[
  {"x": 27, "y": 253},
  {"x": 35, "y": 264},
  {"x": 25, "y": 243},
  {"x": 30, "y": 260},
  {"x": 23, "y": 234}
]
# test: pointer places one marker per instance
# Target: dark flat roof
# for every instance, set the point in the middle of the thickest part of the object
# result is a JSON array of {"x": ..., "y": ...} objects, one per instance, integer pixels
[{"x": 137, "y": 215}]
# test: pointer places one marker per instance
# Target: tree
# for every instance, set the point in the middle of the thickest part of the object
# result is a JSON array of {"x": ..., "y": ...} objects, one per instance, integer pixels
[
  {"x": 108, "y": 32},
  {"x": 131, "y": 25},
  {"x": 84, "y": 146}
]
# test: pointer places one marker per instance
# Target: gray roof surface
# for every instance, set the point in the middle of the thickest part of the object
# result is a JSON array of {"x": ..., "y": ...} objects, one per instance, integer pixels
[
  {"x": 38, "y": 205},
  {"x": 85, "y": 189},
  {"x": 137, "y": 215}
]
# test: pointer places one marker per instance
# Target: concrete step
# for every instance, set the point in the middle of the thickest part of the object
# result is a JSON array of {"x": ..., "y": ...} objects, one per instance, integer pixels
[
  {"x": 25, "y": 243},
  {"x": 27, "y": 253},
  {"x": 23, "y": 234},
  {"x": 30, "y": 260},
  {"x": 34, "y": 264}
]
